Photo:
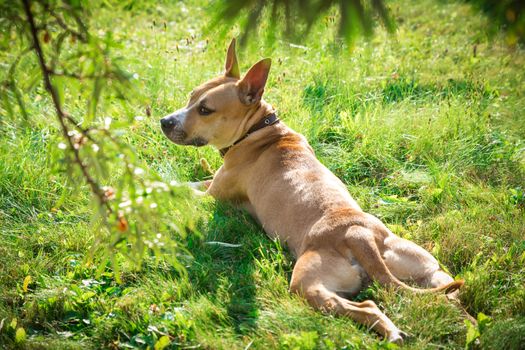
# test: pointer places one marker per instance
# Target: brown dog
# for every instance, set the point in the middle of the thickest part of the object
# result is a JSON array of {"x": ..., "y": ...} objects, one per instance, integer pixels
[{"x": 271, "y": 171}]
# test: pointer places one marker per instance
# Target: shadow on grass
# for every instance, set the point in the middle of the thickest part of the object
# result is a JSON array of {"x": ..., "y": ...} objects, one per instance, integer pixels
[{"x": 225, "y": 262}]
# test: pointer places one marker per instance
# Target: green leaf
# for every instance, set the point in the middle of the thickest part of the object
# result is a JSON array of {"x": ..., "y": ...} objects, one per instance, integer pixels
[
  {"x": 58, "y": 86},
  {"x": 20, "y": 335},
  {"x": 27, "y": 282},
  {"x": 162, "y": 342},
  {"x": 483, "y": 322},
  {"x": 13, "y": 323},
  {"x": 472, "y": 334},
  {"x": 87, "y": 295}
]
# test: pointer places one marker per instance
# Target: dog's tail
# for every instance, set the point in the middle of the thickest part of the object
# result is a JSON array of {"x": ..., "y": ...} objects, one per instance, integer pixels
[
  {"x": 362, "y": 245},
  {"x": 447, "y": 288}
]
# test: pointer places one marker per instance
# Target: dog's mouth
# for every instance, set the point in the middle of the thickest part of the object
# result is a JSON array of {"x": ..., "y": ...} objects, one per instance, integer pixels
[
  {"x": 197, "y": 141},
  {"x": 179, "y": 136}
]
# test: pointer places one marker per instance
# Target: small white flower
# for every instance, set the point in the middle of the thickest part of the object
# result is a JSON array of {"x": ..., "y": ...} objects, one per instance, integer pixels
[
  {"x": 159, "y": 185},
  {"x": 107, "y": 122},
  {"x": 62, "y": 145},
  {"x": 125, "y": 204}
]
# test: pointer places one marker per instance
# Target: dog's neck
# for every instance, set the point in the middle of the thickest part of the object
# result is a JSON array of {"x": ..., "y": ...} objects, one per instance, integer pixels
[
  {"x": 254, "y": 116},
  {"x": 266, "y": 121}
]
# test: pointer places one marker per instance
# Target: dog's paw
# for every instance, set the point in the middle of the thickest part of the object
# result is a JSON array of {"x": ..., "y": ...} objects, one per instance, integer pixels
[
  {"x": 453, "y": 296},
  {"x": 398, "y": 337}
]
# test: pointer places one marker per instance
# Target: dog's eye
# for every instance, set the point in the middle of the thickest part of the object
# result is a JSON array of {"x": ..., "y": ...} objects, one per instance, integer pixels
[{"x": 203, "y": 110}]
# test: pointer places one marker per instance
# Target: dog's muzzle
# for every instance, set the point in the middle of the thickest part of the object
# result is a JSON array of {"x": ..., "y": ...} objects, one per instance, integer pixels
[{"x": 172, "y": 127}]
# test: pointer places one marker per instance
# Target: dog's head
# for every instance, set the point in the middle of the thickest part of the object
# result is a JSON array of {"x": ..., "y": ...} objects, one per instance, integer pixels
[{"x": 217, "y": 110}]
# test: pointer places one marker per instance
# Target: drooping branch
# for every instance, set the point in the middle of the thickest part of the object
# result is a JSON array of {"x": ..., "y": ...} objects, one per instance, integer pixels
[
  {"x": 61, "y": 115},
  {"x": 126, "y": 196}
]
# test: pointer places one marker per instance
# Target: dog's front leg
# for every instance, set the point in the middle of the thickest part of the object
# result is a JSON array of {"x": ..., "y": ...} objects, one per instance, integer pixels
[{"x": 200, "y": 188}]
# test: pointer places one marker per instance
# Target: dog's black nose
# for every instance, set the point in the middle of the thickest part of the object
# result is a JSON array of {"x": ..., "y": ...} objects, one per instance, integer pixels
[{"x": 167, "y": 122}]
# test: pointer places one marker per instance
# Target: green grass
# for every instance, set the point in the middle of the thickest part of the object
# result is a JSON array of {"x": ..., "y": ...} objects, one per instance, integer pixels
[{"x": 426, "y": 136}]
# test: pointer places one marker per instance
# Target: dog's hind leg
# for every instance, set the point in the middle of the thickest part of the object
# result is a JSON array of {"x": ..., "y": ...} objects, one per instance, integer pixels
[
  {"x": 361, "y": 241},
  {"x": 319, "y": 275},
  {"x": 410, "y": 262}
]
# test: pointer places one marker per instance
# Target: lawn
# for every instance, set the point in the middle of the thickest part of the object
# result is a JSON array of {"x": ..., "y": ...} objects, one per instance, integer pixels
[{"x": 426, "y": 128}]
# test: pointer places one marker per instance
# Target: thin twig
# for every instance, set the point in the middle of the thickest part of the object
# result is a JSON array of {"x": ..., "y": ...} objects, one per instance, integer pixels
[{"x": 60, "y": 21}]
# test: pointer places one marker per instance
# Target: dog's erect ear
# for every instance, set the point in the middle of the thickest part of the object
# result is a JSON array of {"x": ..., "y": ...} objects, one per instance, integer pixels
[
  {"x": 251, "y": 87},
  {"x": 231, "y": 68}
]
